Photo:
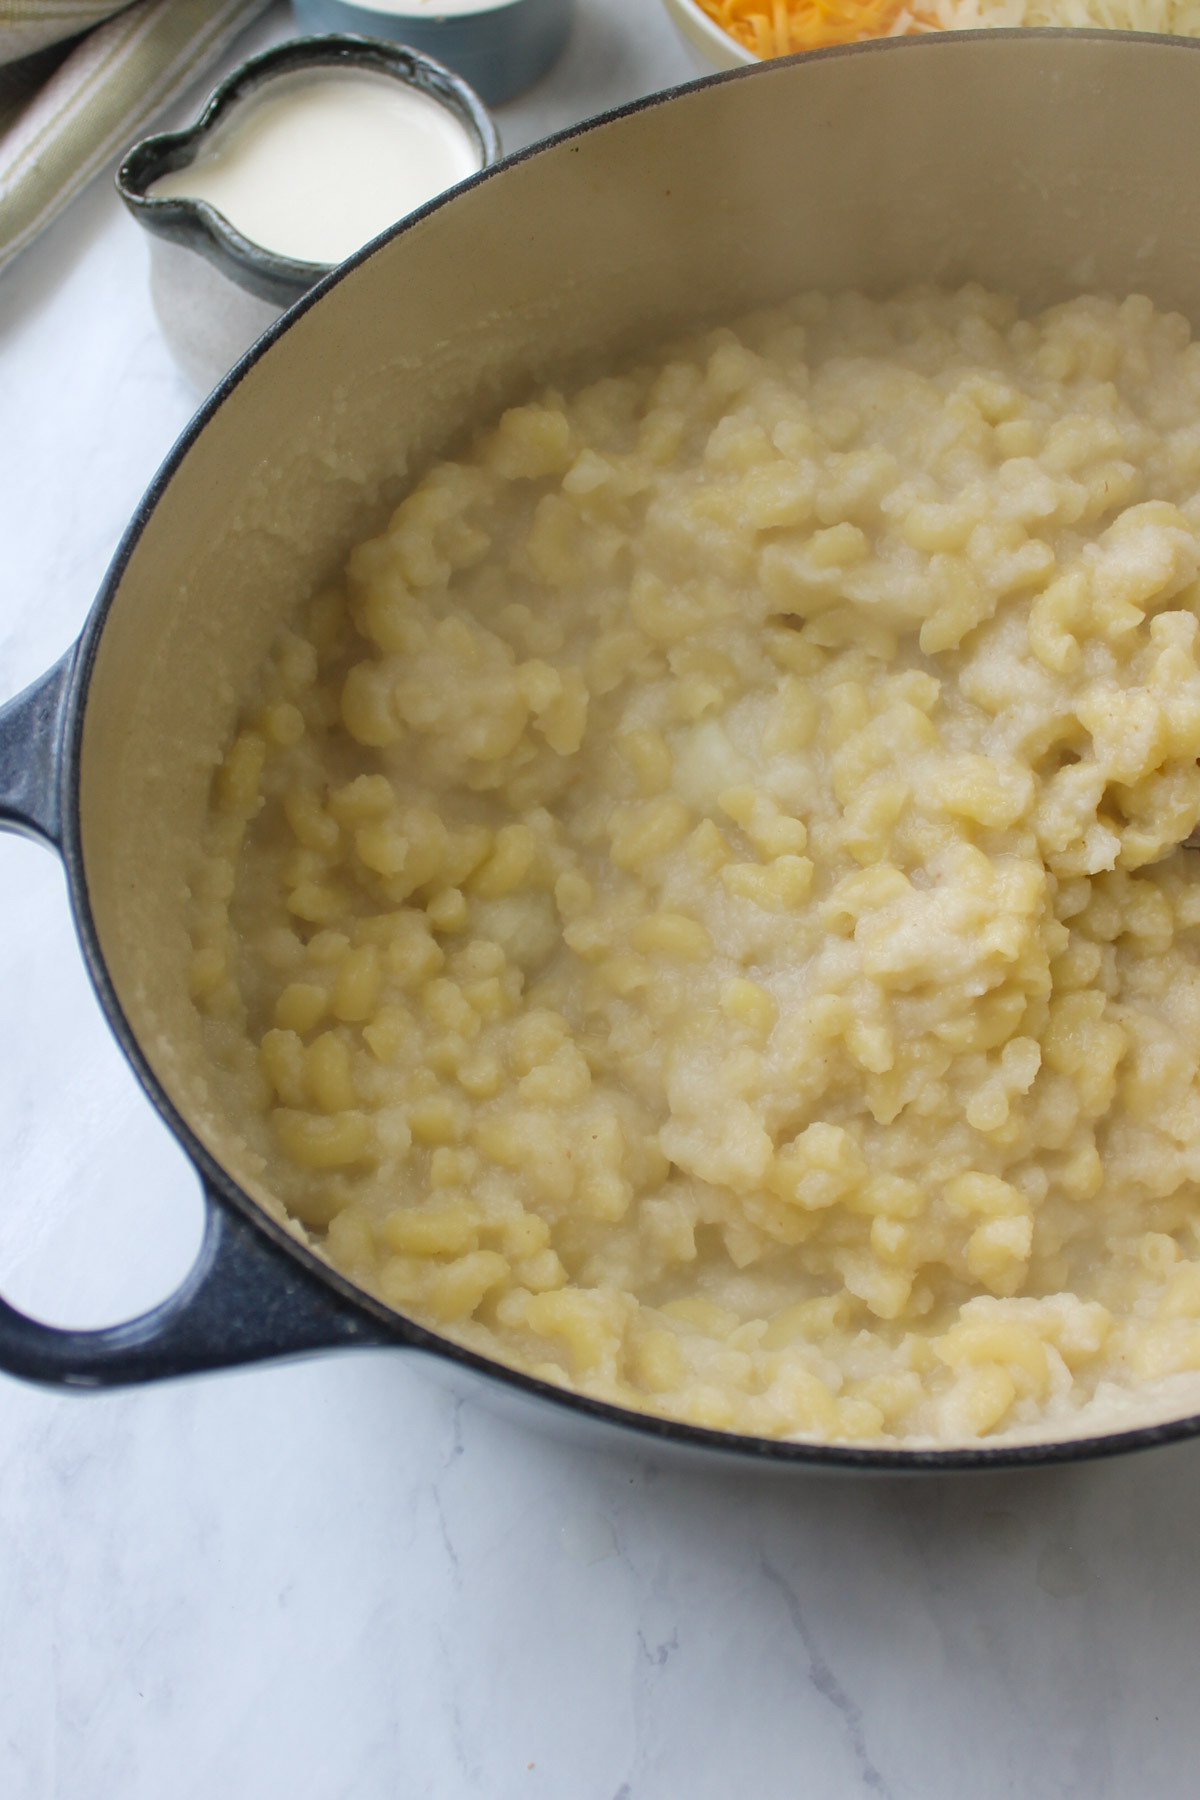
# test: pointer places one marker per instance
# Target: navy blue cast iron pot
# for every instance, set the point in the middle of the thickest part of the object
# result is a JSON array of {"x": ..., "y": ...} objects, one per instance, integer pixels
[{"x": 1033, "y": 162}]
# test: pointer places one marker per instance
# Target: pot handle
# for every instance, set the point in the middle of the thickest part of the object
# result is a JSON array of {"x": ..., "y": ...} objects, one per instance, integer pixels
[
  {"x": 31, "y": 739},
  {"x": 244, "y": 1301},
  {"x": 245, "y": 1298}
]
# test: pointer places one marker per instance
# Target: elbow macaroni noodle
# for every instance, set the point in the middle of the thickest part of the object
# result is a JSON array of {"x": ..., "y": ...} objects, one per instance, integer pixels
[{"x": 697, "y": 913}]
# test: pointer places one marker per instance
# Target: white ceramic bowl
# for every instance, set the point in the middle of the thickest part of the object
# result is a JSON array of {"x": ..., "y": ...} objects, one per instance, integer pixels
[{"x": 709, "y": 46}]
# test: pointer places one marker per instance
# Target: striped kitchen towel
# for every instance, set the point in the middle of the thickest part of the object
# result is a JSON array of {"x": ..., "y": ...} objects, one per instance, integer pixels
[{"x": 80, "y": 79}]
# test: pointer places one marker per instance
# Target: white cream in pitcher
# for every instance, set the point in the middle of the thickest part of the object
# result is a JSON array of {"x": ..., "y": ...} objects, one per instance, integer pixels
[{"x": 321, "y": 164}]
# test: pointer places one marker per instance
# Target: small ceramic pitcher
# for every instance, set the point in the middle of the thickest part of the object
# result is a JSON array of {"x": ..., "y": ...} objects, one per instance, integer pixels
[{"x": 214, "y": 290}]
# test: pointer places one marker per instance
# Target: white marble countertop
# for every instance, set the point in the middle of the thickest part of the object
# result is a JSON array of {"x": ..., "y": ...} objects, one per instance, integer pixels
[{"x": 329, "y": 1580}]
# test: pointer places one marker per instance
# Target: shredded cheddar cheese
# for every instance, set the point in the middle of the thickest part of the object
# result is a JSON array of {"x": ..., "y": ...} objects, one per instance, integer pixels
[{"x": 782, "y": 27}]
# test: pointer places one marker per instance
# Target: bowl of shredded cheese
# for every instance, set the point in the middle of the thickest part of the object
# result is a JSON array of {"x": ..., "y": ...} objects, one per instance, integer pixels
[
  {"x": 727, "y": 34},
  {"x": 711, "y": 43}
]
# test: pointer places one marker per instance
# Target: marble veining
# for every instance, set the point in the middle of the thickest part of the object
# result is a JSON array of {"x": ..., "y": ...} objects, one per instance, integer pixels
[{"x": 336, "y": 1581}]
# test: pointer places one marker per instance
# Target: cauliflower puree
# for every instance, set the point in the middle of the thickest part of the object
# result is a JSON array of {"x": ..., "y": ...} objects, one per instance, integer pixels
[{"x": 698, "y": 912}]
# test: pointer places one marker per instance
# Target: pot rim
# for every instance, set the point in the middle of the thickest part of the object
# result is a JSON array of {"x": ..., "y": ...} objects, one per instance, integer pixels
[{"x": 404, "y": 1332}]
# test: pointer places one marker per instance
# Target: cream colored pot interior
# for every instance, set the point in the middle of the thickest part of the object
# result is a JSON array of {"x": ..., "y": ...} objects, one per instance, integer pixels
[{"x": 1041, "y": 164}]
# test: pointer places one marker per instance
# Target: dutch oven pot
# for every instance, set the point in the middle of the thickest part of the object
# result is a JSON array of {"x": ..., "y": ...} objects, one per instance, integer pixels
[{"x": 1038, "y": 162}]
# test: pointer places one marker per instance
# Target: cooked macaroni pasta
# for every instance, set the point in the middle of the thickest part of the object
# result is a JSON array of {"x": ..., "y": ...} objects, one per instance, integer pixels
[{"x": 698, "y": 912}]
